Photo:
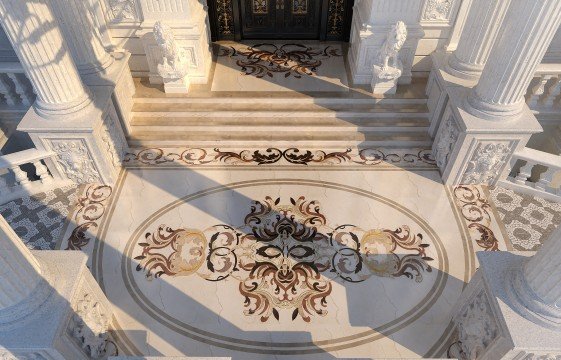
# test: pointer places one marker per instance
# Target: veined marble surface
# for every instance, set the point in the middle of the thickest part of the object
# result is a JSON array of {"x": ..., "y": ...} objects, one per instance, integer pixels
[
  {"x": 280, "y": 66},
  {"x": 254, "y": 263}
]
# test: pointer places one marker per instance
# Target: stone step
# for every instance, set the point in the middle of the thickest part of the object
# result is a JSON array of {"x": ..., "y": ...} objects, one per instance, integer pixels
[
  {"x": 274, "y": 108},
  {"x": 316, "y": 137},
  {"x": 263, "y": 123}
]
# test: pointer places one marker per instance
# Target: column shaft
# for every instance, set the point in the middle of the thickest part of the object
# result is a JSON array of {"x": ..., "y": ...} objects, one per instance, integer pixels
[
  {"x": 40, "y": 47},
  {"x": 82, "y": 35},
  {"x": 543, "y": 271},
  {"x": 482, "y": 25},
  {"x": 527, "y": 31},
  {"x": 20, "y": 272}
]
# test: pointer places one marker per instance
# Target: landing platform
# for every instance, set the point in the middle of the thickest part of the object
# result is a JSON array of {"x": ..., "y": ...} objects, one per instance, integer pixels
[{"x": 309, "y": 255}]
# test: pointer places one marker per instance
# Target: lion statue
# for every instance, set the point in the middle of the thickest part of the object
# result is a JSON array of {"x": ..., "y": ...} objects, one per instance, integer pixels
[
  {"x": 175, "y": 62},
  {"x": 392, "y": 45}
]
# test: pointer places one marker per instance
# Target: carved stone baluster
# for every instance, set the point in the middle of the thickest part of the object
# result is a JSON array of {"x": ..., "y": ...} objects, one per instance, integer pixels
[
  {"x": 537, "y": 90},
  {"x": 524, "y": 173},
  {"x": 42, "y": 172},
  {"x": 20, "y": 175},
  {"x": 550, "y": 98},
  {"x": 7, "y": 90},
  {"x": 545, "y": 179},
  {"x": 23, "y": 88}
]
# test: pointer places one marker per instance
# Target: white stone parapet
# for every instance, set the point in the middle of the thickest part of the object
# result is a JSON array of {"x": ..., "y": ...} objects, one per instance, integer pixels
[
  {"x": 82, "y": 35},
  {"x": 20, "y": 273},
  {"x": 482, "y": 25},
  {"x": 526, "y": 33},
  {"x": 44, "y": 56}
]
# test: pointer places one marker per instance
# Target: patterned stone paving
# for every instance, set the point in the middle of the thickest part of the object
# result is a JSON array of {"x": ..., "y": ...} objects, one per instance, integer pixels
[
  {"x": 40, "y": 218},
  {"x": 528, "y": 220}
]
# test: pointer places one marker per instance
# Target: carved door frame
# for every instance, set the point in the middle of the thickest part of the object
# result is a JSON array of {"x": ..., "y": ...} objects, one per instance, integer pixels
[{"x": 335, "y": 24}]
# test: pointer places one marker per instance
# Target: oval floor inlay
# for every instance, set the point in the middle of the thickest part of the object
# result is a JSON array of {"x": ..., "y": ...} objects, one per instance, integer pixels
[{"x": 305, "y": 267}]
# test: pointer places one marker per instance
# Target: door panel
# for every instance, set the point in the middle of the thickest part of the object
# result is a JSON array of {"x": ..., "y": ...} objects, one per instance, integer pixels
[
  {"x": 302, "y": 18},
  {"x": 259, "y": 18}
]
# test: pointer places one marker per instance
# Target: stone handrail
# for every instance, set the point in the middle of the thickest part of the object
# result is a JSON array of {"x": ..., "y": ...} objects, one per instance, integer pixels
[
  {"x": 544, "y": 92},
  {"x": 535, "y": 173},
  {"x": 27, "y": 172},
  {"x": 15, "y": 88}
]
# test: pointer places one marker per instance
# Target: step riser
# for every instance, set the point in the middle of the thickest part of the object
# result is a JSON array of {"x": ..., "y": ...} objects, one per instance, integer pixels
[
  {"x": 287, "y": 129},
  {"x": 276, "y": 115},
  {"x": 265, "y": 100},
  {"x": 279, "y": 144}
]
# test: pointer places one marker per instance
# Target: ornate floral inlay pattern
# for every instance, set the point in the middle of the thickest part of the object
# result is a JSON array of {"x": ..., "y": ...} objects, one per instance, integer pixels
[
  {"x": 289, "y": 59},
  {"x": 225, "y": 17},
  {"x": 438, "y": 9},
  {"x": 260, "y": 6},
  {"x": 476, "y": 210},
  {"x": 91, "y": 207},
  {"x": 336, "y": 13},
  {"x": 285, "y": 256},
  {"x": 293, "y": 156},
  {"x": 300, "y": 7}
]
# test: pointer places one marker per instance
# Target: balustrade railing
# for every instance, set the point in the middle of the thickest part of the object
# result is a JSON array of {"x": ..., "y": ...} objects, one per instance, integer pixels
[
  {"x": 15, "y": 88},
  {"x": 27, "y": 172},
  {"x": 535, "y": 173},
  {"x": 544, "y": 93}
]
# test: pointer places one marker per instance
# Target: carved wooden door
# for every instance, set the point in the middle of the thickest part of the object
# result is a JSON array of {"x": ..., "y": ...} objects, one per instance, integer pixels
[{"x": 286, "y": 19}]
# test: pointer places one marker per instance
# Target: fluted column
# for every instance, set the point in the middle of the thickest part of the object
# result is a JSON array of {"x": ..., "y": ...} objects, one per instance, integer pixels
[
  {"x": 543, "y": 271},
  {"x": 38, "y": 42},
  {"x": 19, "y": 271},
  {"x": 527, "y": 31},
  {"x": 482, "y": 25},
  {"x": 82, "y": 35}
]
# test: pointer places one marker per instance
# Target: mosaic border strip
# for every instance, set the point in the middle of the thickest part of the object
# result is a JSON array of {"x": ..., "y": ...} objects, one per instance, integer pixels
[{"x": 372, "y": 157}]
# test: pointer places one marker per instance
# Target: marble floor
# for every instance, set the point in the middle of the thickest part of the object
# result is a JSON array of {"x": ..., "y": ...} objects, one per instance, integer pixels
[
  {"x": 280, "y": 66},
  {"x": 292, "y": 254}
]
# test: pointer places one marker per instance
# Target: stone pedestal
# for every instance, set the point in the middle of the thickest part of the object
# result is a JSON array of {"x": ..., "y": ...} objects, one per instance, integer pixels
[
  {"x": 440, "y": 81},
  {"x": 177, "y": 86},
  {"x": 50, "y": 305},
  {"x": 89, "y": 147},
  {"x": 489, "y": 320},
  {"x": 384, "y": 81},
  {"x": 470, "y": 150},
  {"x": 72, "y": 321}
]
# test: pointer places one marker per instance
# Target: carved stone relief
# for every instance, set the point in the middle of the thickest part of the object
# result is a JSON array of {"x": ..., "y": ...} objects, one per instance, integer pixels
[
  {"x": 487, "y": 162},
  {"x": 75, "y": 160},
  {"x": 444, "y": 144},
  {"x": 438, "y": 10},
  {"x": 476, "y": 326},
  {"x": 123, "y": 10},
  {"x": 89, "y": 325},
  {"x": 114, "y": 146}
]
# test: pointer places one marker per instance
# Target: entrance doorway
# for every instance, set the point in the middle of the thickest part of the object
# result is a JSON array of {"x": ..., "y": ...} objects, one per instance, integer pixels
[{"x": 280, "y": 19}]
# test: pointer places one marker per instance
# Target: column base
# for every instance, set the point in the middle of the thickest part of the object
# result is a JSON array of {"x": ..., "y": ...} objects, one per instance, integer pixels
[
  {"x": 89, "y": 147},
  {"x": 120, "y": 83},
  {"x": 490, "y": 325},
  {"x": 439, "y": 81},
  {"x": 471, "y": 150},
  {"x": 493, "y": 112},
  {"x": 72, "y": 323},
  {"x": 462, "y": 70}
]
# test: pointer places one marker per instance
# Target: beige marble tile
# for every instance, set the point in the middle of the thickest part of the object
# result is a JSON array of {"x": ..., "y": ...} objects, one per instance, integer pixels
[
  {"x": 280, "y": 66},
  {"x": 336, "y": 262}
]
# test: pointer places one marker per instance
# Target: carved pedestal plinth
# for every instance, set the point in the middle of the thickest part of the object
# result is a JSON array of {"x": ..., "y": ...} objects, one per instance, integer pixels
[
  {"x": 89, "y": 147},
  {"x": 488, "y": 321},
  {"x": 469, "y": 150},
  {"x": 176, "y": 86},
  {"x": 384, "y": 80},
  {"x": 71, "y": 323},
  {"x": 437, "y": 89}
]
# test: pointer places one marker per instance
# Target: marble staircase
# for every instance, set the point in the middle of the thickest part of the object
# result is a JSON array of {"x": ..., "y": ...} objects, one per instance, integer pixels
[{"x": 286, "y": 120}]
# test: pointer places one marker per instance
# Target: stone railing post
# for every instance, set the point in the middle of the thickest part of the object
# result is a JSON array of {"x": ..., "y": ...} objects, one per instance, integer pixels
[
  {"x": 482, "y": 25},
  {"x": 65, "y": 118},
  {"x": 50, "y": 305},
  {"x": 518, "y": 50},
  {"x": 511, "y": 309}
]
